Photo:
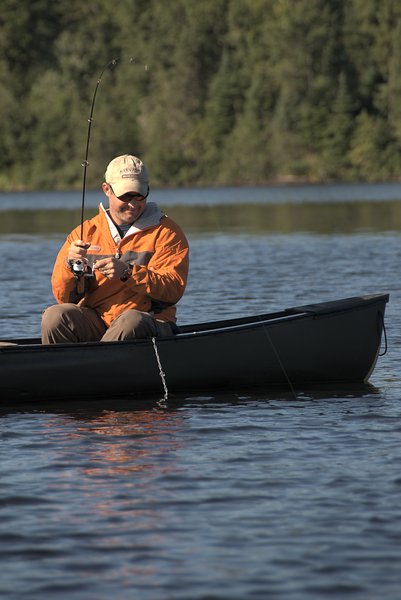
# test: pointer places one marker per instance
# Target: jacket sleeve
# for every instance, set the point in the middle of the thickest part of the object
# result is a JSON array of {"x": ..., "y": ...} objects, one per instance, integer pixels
[
  {"x": 64, "y": 284},
  {"x": 165, "y": 276}
]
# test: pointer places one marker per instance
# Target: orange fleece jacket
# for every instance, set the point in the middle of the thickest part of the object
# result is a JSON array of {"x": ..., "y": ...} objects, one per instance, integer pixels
[{"x": 156, "y": 248}]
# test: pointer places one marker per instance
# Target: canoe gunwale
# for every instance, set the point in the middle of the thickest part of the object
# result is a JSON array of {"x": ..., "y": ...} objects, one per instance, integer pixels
[
  {"x": 314, "y": 311},
  {"x": 179, "y": 336}
]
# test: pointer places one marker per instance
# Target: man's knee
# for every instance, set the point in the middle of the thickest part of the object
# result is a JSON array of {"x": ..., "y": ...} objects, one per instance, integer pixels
[
  {"x": 53, "y": 315},
  {"x": 69, "y": 323},
  {"x": 131, "y": 324},
  {"x": 136, "y": 324},
  {"x": 134, "y": 320}
]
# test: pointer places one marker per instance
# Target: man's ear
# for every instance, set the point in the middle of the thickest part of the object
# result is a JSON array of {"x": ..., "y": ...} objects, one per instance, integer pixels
[{"x": 106, "y": 188}]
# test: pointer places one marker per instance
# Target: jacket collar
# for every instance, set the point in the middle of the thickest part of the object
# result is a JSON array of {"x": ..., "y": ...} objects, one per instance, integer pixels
[{"x": 151, "y": 217}]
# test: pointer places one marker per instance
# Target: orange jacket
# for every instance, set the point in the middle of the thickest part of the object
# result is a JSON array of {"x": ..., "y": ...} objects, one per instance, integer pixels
[{"x": 156, "y": 248}]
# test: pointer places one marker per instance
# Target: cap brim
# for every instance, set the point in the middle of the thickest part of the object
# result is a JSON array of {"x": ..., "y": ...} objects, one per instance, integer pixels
[{"x": 130, "y": 186}]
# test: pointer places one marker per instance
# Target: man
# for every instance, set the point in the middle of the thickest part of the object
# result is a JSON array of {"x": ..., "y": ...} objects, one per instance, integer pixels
[{"x": 135, "y": 261}]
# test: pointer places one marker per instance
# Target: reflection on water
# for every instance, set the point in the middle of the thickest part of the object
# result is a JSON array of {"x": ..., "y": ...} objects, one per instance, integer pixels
[
  {"x": 130, "y": 441},
  {"x": 289, "y": 218},
  {"x": 344, "y": 217}
]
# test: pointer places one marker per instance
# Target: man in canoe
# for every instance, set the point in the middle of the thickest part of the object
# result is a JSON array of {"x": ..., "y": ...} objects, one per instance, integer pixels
[{"x": 119, "y": 275}]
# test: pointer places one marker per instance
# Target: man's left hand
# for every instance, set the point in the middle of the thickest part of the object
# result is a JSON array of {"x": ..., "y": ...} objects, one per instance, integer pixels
[{"x": 112, "y": 268}]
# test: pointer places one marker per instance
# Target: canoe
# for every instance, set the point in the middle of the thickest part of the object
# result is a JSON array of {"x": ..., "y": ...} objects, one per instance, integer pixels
[{"x": 335, "y": 343}]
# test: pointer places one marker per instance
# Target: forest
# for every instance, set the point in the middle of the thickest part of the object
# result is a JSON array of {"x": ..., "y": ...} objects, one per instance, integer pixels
[{"x": 206, "y": 92}]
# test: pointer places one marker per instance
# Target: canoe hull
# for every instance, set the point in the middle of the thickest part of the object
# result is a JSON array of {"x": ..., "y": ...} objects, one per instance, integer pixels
[{"x": 327, "y": 343}]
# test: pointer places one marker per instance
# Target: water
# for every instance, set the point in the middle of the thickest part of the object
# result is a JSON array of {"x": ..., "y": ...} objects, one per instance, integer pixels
[{"x": 221, "y": 496}]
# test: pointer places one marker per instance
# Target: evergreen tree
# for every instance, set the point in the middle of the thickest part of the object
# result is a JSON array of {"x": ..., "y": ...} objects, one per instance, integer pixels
[{"x": 218, "y": 91}]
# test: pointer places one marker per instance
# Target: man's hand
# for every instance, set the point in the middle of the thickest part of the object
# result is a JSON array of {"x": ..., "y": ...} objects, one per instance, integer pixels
[
  {"x": 112, "y": 268},
  {"x": 77, "y": 250}
]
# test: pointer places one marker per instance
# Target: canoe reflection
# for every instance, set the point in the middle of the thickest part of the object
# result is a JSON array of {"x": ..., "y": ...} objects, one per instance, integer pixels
[{"x": 119, "y": 443}]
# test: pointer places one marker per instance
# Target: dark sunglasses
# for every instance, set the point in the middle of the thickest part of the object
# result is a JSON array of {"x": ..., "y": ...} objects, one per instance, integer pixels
[{"x": 132, "y": 196}]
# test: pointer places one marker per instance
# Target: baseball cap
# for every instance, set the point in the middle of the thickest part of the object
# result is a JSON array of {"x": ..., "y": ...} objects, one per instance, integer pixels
[{"x": 127, "y": 173}]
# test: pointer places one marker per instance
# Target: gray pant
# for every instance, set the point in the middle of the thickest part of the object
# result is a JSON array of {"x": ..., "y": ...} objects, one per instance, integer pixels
[{"x": 69, "y": 323}]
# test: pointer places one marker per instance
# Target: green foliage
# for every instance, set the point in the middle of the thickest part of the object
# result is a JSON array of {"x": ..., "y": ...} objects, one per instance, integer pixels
[{"x": 218, "y": 91}]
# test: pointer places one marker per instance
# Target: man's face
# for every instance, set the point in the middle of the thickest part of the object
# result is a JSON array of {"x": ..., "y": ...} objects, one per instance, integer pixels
[{"x": 124, "y": 209}]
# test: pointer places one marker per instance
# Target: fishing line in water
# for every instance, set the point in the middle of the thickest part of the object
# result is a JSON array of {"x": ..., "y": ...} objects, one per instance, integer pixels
[
  {"x": 163, "y": 401},
  {"x": 282, "y": 367}
]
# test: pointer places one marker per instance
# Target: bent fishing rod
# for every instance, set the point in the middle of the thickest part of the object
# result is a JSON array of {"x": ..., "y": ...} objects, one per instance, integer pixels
[
  {"x": 85, "y": 163},
  {"x": 79, "y": 267}
]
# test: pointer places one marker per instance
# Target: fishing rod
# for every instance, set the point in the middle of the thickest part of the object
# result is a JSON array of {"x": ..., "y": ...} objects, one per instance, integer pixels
[
  {"x": 85, "y": 163},
  {"x": 79, "y": 266}
]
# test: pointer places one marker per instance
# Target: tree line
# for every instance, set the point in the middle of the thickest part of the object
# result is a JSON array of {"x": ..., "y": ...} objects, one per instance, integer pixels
[{"x": 211, "y": 92}]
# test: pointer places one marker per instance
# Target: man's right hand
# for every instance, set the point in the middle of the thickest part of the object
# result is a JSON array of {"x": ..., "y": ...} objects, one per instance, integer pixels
[{"x": 77, "y": 250}]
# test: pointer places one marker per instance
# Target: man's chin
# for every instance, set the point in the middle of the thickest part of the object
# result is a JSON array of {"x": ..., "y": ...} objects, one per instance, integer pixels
[{"x": 129, "y": 217}]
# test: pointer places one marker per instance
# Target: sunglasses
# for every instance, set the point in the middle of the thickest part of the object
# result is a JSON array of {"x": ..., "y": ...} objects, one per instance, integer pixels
[{"x": 131, "y": 196}]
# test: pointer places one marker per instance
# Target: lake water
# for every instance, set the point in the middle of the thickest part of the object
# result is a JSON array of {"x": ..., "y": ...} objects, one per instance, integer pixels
[{"x": 221, "y": 496}]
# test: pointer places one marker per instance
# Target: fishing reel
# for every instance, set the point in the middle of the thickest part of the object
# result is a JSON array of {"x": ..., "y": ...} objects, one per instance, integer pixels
[{"x": 80, "y": 268}]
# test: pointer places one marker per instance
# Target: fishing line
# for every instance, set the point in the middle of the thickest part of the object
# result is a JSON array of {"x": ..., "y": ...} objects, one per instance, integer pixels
[
  {"x": 280, "y": 362},
  {"x": 162, "y": 403}
]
